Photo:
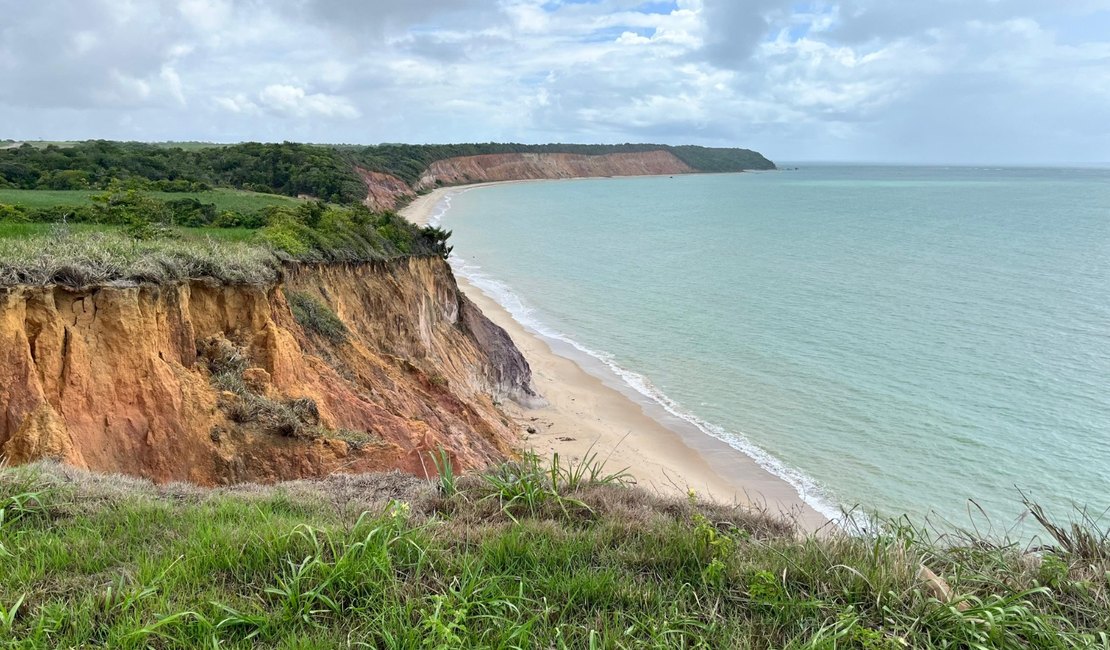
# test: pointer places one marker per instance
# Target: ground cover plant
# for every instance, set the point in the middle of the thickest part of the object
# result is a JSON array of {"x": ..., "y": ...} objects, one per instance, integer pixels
[
  {"x": 135, "y": 248},
  {"x": 529, "y": 554}
]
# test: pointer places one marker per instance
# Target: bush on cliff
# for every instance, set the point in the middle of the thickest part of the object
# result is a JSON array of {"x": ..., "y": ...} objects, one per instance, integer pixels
[
  {"x": 86, "y": 256},
  {"x": 523, "y": 556},
  {"x": 316, "y": 317}
]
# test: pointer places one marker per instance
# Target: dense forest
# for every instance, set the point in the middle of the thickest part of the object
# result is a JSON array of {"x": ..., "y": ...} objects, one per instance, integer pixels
[
  {"x": 320, "y": 171},
  {"x": 289, "y": 169}
]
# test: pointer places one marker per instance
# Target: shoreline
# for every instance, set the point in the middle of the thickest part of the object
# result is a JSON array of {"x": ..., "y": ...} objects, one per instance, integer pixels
[{"x": 589, "y": 411}]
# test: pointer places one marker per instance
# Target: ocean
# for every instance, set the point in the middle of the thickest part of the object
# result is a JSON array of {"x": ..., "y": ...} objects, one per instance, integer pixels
[{"x": 926, "y": 341}]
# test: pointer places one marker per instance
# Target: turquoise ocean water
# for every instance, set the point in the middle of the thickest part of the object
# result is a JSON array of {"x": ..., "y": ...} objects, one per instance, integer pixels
[{"x": 900, "y": 338}]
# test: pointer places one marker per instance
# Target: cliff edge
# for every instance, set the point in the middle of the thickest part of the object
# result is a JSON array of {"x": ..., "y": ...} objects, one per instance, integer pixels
[{"x": 337, "y": 368}]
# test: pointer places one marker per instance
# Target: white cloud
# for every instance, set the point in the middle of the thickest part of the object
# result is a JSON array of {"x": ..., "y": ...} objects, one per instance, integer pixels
[
  {"x": 173, "y": 84},
  {"x": 955, "y": 79},
  {"x": 237, "y": 104},
  {"x": 294, "y": 101},
  {"x": 206, "y": 14}
]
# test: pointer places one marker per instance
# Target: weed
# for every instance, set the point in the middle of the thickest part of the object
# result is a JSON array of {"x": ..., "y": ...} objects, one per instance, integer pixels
[
  {"x": 445, "y": 471},
  {"x": 588, "y": 471},
  {"x": 228, "y": 362},
  {"x": 526, "y": 485},
  {"x": 8, "y": 614},
  {"x": 316, "y": 317},
  {"x": 355, "y": 439}
]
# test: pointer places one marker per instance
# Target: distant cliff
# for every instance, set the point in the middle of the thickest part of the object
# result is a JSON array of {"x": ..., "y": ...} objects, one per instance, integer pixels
[
  {"x": 379, "y": 175},
  {"x": 385, "y": 191},
  {"x": 523, "y": 166},
  {"x": 337, "y": 368}
]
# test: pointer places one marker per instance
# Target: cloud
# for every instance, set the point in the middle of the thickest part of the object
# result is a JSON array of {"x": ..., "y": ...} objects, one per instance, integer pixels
[
  {"x": 734, "y": 29},
  {"x": 284, "y": 100},
  {"x": 864, "y": 79},
  {"x": 289, "y": 100}
]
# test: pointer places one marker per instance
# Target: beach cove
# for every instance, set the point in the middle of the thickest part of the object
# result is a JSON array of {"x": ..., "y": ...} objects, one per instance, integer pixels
[{"x": 589, "y": 411}]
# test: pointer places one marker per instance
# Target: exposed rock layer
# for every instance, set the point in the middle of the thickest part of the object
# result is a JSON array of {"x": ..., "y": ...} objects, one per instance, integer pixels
[
  {"x": 385, "y": 192},
  {"x": 111, "y": 379},
  {"x": 522, "y": 166}
]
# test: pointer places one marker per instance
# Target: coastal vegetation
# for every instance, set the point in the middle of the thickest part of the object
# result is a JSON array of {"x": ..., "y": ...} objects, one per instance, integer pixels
[
  {"x": 322, "y": 172},
  {"x": 527, "y": 554},
  {"x": 134, "y": 241}
]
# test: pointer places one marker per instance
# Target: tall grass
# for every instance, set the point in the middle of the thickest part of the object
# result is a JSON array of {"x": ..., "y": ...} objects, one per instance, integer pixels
[
  {"x": 80, "y": 258},
  {"x": 102, "y": 561},
  {"x": 316, "y": 317}
]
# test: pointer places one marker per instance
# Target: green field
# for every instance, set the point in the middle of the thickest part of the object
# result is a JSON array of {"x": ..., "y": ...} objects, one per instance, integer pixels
[
  {"x": 38, "y": 144},
  {"x": 224, "y": 199},
  {"x": 23, "y": 230},
  {"x": 20, "y": 230}
]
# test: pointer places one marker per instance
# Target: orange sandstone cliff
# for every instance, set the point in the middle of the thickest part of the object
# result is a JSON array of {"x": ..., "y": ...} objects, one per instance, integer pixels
[
  {"x": 520, "y": 166},
  {"x": 216, "y": 384},
  {"x": 386, "y": 192}
]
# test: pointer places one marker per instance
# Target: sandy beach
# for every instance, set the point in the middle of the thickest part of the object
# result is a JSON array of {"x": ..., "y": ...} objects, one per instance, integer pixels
[{"x": 589, "y": 410}]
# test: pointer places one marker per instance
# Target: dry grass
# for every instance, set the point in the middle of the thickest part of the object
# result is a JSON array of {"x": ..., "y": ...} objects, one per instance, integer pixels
[{"x": 85, "y": 259}]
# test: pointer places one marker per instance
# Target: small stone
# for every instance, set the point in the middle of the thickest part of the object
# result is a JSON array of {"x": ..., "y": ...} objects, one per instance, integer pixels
[{"x": 531, "y": 429}]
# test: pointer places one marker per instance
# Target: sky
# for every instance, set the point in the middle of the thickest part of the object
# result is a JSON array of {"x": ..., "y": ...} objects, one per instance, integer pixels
[{"x": 919, "y": 81}]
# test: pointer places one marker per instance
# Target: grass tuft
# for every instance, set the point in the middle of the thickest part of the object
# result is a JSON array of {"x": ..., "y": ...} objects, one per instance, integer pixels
[
  {"x": 315, "y": 316},
  {"x": 248, "y": 404}
]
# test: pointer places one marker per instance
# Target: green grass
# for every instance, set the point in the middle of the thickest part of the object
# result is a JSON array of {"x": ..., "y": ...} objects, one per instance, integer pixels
[
  {"x": 22, "y": 230},
  {"x": 218, "y": 234},
  {"x": 316, "y": 317},
  {"x": 18, "y": 230},
  {"x": 388, "y": 561},
  {"x": 224, "y": 199}
]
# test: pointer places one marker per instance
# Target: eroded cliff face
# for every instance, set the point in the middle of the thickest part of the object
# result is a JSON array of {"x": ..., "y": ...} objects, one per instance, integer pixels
[
  {"x": 386, "y": 192},
  {"x": 192, "y": 382},
  {"x": 526, "y": 166}
]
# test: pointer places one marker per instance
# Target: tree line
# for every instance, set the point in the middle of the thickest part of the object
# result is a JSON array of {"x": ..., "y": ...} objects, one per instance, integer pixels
[{"x": 325, "y": 172}]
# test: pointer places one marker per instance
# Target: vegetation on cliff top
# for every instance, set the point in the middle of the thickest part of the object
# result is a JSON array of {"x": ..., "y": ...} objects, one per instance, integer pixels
[
  {"x": 523, "y": 556},
  {"x": 320, "y": 171},
  {"x": 125, "y": 243}
]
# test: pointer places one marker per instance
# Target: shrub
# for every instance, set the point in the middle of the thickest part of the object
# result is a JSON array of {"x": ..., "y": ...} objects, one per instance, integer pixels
[
  {"x": 315, "y": 316},
  {"x": 291, "y": 418}
]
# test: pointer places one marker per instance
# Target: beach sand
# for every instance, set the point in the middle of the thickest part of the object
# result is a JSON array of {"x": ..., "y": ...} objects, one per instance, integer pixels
[{"x": 593, "y": 411}]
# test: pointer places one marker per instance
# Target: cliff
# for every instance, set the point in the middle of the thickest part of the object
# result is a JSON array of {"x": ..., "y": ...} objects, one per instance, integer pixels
[
  {"x": 521, "y": 166},
  {"x": 215, "y": 383},
  {"x": 385, "y": 192}
]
